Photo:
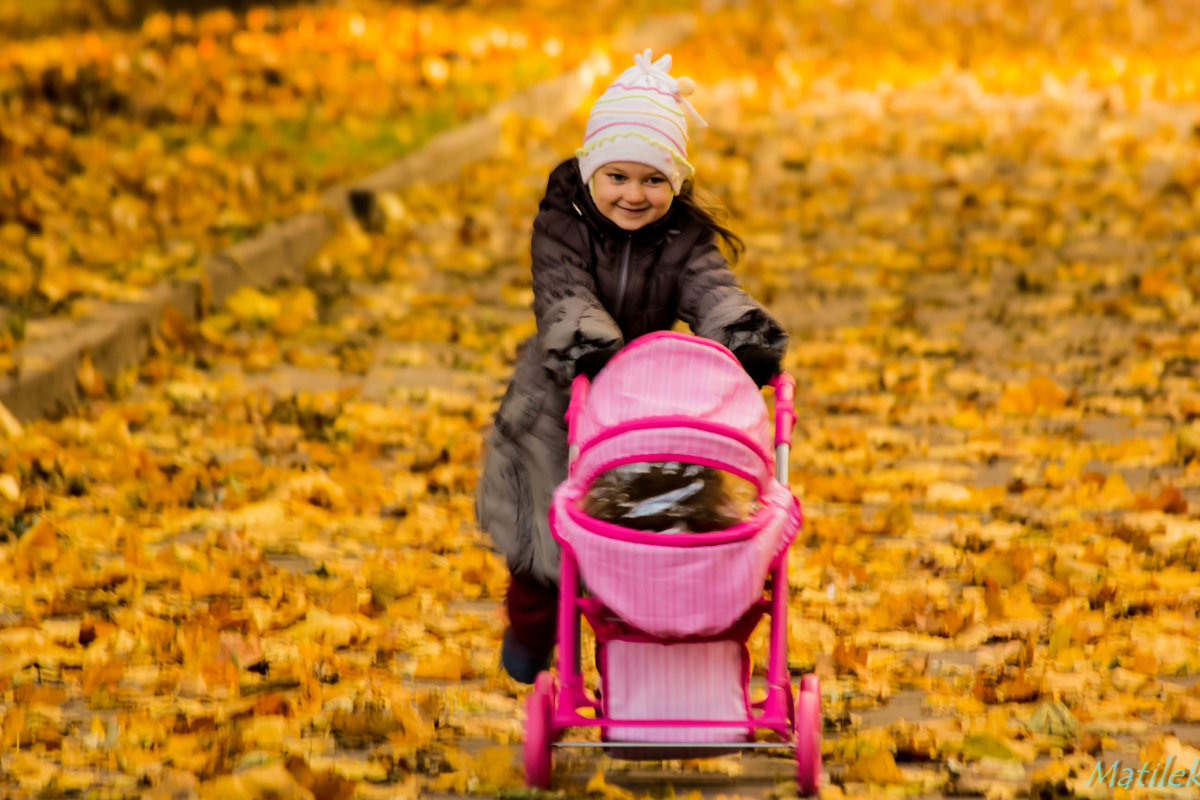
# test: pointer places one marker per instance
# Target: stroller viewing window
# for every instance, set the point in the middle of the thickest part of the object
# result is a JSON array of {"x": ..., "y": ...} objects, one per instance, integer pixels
[
  {"x": 670, "y": 497},
  {"x": 676, "y": 517}
]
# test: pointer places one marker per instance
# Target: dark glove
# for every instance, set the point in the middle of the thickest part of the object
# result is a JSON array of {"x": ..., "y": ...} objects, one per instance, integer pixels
[
  {"x": 760, "y": 364},
  {"x": 591, "y": 362}
]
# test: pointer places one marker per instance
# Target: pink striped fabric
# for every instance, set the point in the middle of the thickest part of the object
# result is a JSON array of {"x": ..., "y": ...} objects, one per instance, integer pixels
[
  {"x": 672, "y": 444},
  {"x": 701, "y": 681},
  {"x": 675, "y": 584},
  {"x": 670, "y": 397},
  {"x": 672, "y": 374},
  {"x": 670, "y": 590}
]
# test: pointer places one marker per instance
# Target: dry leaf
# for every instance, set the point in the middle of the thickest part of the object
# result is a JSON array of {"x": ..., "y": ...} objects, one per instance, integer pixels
[
  {"x": 90, "y": 380},
  {"x": 877, "y": 768}
]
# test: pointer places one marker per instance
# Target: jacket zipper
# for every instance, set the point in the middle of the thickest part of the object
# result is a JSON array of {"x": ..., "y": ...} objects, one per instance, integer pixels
[{"x": 624, "y": 278}]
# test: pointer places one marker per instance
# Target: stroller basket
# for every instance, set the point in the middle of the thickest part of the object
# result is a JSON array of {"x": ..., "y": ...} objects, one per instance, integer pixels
[{"x": 677, "y": 586}]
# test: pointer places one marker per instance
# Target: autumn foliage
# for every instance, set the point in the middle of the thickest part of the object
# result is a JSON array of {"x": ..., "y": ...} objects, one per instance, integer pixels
[{"x": 249, "y": 568}]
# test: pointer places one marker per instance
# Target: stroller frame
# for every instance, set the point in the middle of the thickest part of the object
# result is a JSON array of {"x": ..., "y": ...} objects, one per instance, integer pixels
[
  {"x": 777, "y": 709},
  {"x": 554, "y": 706}
]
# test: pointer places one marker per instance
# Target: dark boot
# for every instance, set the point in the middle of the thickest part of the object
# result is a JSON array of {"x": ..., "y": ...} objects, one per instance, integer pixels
[{"x": 519, "y": 661}]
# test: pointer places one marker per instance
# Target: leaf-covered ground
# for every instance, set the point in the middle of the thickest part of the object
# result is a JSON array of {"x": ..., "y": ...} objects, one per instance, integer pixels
[
  {"x": 133, "y": 152},
  {"x": 251, "y": 567}
]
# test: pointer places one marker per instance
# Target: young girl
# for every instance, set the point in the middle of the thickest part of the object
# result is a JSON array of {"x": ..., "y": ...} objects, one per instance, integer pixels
[{"x": 620, "y": 249}]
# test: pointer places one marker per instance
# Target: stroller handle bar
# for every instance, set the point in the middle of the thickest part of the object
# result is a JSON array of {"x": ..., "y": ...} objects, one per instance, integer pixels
[
  {"x": 579, "y": 393},
  {"x": 784, "y": 386}
]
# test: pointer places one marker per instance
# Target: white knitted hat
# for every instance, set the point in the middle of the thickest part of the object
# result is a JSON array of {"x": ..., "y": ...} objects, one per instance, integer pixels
[{"x": 640, "y": 118}]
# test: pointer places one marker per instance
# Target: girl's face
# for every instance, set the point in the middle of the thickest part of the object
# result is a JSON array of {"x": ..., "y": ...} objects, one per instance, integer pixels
[{"x": 630, "y": 194}]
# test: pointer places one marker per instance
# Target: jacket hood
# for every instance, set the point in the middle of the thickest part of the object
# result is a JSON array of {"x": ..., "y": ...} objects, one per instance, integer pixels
[{"x": 566, "y": 192}]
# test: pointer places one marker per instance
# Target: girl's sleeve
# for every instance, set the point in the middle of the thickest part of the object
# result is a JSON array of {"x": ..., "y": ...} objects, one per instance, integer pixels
[
  {"x": 575, "y": 332},
  {"x": 716, "y": 307}
]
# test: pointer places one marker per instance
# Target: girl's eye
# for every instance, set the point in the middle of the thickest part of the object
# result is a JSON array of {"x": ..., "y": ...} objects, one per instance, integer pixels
[
  {"x": 615, "y": 178},
  {"x": 654, "y": 181}
]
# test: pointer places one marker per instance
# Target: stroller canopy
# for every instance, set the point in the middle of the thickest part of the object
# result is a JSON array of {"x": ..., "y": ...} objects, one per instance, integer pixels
[{"x": 667, "y": 396}]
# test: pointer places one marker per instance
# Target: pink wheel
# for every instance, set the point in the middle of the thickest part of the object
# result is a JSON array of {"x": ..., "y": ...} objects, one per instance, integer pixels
[
  {"x": 808, "y": 741},
  {"x": 539, "y": 731}
]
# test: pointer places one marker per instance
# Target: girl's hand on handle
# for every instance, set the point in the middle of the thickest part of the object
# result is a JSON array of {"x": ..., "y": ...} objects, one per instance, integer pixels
[
  {"x": 760, "y": 363},
  {"x": 589, "y": 364}
]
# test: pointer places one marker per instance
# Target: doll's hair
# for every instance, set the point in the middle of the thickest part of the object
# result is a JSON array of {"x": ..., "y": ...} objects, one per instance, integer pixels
[{"x": 706, "y": 208}]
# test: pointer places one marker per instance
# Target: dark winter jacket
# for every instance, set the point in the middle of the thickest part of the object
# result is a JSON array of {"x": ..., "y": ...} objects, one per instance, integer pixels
[{"x": 596, "y": 287}]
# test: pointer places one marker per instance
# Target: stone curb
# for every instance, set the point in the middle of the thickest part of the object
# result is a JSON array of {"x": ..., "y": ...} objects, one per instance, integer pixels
[{"x": 117, "y": 335}]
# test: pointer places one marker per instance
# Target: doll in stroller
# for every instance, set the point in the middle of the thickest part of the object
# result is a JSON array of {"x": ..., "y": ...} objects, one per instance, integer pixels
[{"x": 672, "y": 610}]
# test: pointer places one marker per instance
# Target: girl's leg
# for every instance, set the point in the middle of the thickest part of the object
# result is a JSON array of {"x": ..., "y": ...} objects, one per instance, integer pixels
[{"x": 532, "y": 617}]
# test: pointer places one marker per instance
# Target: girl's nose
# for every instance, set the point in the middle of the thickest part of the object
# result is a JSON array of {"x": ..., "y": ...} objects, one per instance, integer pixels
[{"x": 635, "y": 193}]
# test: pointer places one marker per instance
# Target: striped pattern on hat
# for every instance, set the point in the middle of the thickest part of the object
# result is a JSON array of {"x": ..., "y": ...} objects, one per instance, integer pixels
[{"x": 641, "y": 118}]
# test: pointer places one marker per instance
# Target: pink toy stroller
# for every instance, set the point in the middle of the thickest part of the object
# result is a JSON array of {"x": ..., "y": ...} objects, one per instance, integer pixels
[{"x": 672, "y": 613}]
